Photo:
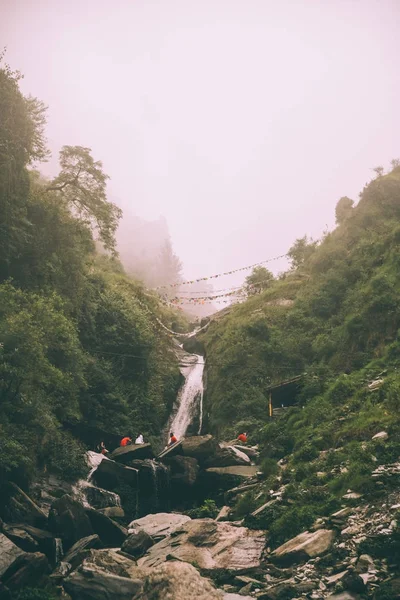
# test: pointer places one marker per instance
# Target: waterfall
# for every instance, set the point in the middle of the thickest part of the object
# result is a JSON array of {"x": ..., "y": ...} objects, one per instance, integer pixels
[
  {"x": 90, "y": 495},
  {"x": 190, "y": 397}
]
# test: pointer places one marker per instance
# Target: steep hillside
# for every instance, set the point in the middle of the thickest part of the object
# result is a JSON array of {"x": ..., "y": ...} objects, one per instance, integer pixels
[{"x": 333, "y": 313}]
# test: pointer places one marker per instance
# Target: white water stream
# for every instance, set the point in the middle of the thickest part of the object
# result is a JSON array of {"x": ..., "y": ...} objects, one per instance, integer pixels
[{"x": 190, "y": 397}]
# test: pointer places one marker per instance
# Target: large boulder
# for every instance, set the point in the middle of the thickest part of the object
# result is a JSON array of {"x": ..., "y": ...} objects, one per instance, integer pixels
[
  {"x": 81, "y": 549},
  {"x": 175, "y": 449},
  {"x": 69, "y": 521},
  {"x": 18, "y": 507},
  {"x": 177, "y": 580},
  {"x": 98, "y": 497},
  {"x": 200, "y": 447},
  {"x": 9, "y": 553},
  {"x": 153, "y": 486},
  {"x": 137, "y": 544},
  {"x": 227, "y": 456},
  {"x": 111, "y": 534},
  {"x": 211, "y": 546},
  {"x": 184, "y": 470},
  {"x": 21, "y": 538},
  {"x": 110, "y": 475},
  {"x": 126, "y": 454},
  {"x": 29, "y": 570},
  {"x": 92, "y": 583},
  {"x": 304, "y": 546},
  {"x": 160, "y": 525},
  {"x": 225, "y": 478}
]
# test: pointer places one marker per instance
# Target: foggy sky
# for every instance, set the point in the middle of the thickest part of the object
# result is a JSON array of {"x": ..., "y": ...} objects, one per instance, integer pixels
[{"x": 242, "y": 121}]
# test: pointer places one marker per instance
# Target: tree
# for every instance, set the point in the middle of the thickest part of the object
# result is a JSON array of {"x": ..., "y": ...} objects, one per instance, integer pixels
[
  {"x": 169, "y": 267},
  {"x": 395, "y": 162},
  {"x": 343, "y": 209},
  {"x": 301, "y": 251},
  {"x": 378, "y": 170},
  {"x": 81, "y": 184},
  {"x": 259, "y": 279}
]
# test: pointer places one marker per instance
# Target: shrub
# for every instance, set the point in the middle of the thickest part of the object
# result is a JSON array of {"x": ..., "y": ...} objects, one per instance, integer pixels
[
  {"x": 245, "y": 505},
  {"x": 293, "y": 521},
  {"x": 269, "y": 467},
  {"x": 208, "y": 510},
  {"x": 308, "y": 452},
  {"x": 35, "y": 594}
]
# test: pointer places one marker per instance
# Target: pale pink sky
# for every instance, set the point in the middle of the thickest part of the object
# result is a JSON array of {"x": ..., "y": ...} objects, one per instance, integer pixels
[{"x": 242, "y": 121}]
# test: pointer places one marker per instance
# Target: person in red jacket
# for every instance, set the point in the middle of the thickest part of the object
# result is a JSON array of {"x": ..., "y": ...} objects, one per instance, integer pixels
[
  {"x": 125, "y": 441},
  {"x": 172, "y": 439},
  {"x": 242, "y": 438}
]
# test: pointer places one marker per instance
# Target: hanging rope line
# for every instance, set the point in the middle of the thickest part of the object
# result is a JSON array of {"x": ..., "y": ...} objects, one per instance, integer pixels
[{"x": 263, "y": 262}]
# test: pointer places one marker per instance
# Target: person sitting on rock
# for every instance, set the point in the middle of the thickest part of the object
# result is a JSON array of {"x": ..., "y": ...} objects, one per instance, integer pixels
[
  {"x": 172, "y": 439},
  {"x": 139, "y": 439},
  {"x": 125, "y": 441},
  {"x": 242, "y": 438}
]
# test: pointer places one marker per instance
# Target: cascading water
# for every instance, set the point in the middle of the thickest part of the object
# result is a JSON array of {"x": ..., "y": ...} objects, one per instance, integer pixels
[
  {"x": 190, "y": 397},
  {"x": 90, "y": 495}
]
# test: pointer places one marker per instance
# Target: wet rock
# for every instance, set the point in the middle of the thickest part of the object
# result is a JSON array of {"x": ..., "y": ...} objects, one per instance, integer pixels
[
  {"x": 126, "y": 454},
  {"x": 99, "y": 498},
  {"x": 21, "y": 538},
  {"x": 93, "y": 583},
  {"x": 80, "y": 550},
  {"x": 69, "y": 521},
  {"x": 18, "y": 507},
  {"x": 184, "y": 470},
  {"x": 111, "y": 534},
  {"x": 9, "y": 553},
  {"x": 110, "y": 475},
  {"x": 211, "y": 546},
  {"x": 160, "y": 525},
  {"x": 304, "y": 546},
  {"x": 200, "y": 447},
  {"x": 44, "y": 539},
  {"x": 114, "y": 512},
  {"x": 137, "y": 544},
  {"x": 227, "y": 456},
  {"x": 179, "y": 581},
  {"x": 29, "y": 570}
]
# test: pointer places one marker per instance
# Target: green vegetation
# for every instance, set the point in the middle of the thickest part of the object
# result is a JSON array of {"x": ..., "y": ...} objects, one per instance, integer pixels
[
  {"x": 334, "y": 318},
  {"x": 208, "y": 510},
  {"x": 79, "y": 343}
]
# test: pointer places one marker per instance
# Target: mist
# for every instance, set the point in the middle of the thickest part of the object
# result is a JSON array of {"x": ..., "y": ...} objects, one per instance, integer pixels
[{"x": 234, "y": 126}]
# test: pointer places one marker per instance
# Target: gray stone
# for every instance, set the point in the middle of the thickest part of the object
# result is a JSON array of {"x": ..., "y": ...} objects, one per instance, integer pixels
[
  {"x": 21, "y": 538},
  {"x": 18, "y": 507},
  {"x": 114, "y": 512},
  {"x": 160, "y": 525},
  {"x": 68, "y": 520},
  {"x": 137, "y": 544},
  {"x": 111, "y": 533},
  {"x": 210, "y": 546},
  {"x": 227, "y": 456},
  {"x": 110, "y": 475},
  {"x": 200, "y": 447},
  {"x": 92, "y": 583},
  {"x": 223, "y": 514},
  {"x": 29, "y": 570},
  {"x": 125, "y": 454},
  {"x": 80, "y": 550},
  {"x": 9, "y": 553},
  {"x": 184, "y": 469},
  {"x": 180, "y": 581},
  {"x": 382, "y": 435},
  {"x": 304, "y": 546}
]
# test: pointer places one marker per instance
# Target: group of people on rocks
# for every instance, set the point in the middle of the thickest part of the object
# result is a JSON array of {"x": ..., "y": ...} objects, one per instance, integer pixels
[{"x": 126, "y": 441}]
